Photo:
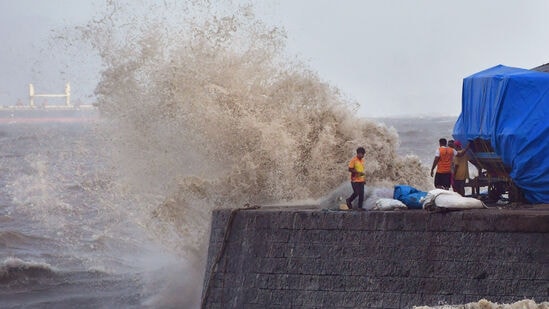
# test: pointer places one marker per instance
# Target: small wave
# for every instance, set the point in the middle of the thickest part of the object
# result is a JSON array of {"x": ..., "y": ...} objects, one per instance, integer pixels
[
  {"x": 16, "y": 270},
  {"x": 27, "y": 137},
  {"x": 5, "y": 218},
  {"x": 15, "y": 239},
  {"x": 11, "y": 155}
]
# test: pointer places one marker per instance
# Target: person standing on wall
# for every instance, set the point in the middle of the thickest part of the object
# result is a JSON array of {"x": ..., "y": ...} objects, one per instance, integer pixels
[
  {"x": 356, "y": 167},
  {"x": 461, "y": 168},
  {"x": 452, "y": 170},
  {"x": 443, "y": 163}
]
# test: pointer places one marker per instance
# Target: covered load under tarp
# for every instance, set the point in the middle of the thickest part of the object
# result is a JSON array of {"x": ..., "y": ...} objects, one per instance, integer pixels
[{"x": 509, "y": 107}]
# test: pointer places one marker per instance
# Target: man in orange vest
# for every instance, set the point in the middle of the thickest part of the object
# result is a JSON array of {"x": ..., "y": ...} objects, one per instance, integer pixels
[
  {"x": 356, "y": 167},
  {"x": 443, "y": 163}
]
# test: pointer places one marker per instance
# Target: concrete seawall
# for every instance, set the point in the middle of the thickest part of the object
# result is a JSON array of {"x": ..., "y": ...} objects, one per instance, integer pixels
[{"x": 304, "y": 257}]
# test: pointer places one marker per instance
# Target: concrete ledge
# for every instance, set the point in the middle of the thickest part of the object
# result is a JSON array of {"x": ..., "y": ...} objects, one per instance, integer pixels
[{"x": 306, "y": 257}]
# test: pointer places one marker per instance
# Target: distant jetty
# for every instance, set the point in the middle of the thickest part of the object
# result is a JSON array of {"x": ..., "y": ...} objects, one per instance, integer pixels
[{"x": 32, "y": 112}]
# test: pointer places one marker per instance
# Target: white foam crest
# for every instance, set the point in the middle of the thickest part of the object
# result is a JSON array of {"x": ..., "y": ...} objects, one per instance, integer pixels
[{"x": 13, "y": 263}]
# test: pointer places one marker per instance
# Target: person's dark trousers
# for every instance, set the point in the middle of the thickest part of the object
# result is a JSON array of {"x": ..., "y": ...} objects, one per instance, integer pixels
[{"x": 358, "y": 190}]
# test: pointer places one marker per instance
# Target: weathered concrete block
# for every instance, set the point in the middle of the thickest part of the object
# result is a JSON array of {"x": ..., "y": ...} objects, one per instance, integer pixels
[{"x": 304, "y": 258}]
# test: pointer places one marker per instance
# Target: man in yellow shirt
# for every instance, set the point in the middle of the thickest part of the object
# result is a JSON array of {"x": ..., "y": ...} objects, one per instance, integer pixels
[
  {"x": 356, "y": 167},
  {"x": 461, "y": 168}
]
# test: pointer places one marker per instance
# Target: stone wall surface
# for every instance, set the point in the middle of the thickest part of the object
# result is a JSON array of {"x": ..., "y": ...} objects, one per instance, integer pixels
[{"x": 301, "y": 257}]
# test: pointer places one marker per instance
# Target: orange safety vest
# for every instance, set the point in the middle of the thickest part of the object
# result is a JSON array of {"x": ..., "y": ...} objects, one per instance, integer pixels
[{"x": 444, "y": 165}]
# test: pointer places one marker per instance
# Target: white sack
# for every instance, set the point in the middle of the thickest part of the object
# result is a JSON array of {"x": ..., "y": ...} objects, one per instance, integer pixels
[
  {"x": 450, "y": 200},
  {"x": 388, "y": 204}
]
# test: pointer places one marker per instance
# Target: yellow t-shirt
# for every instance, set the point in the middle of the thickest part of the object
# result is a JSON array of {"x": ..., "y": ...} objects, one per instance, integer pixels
[
  {"x": 462, "y": 170},
  {"x": 358, "y": 165}
]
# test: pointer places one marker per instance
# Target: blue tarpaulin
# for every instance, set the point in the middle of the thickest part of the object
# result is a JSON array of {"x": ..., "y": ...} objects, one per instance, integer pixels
[
  {"x": 410, "y": 196},
  {"x": 510, "y": 108}
]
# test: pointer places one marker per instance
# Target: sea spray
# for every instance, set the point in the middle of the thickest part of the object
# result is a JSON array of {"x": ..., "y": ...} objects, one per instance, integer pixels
[
  {"x": 215, "y": 106},
  {"x": 201, "y": 107}
]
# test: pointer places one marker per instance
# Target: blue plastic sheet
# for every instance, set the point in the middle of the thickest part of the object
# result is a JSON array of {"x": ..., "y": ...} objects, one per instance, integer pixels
[
  {"x": 410, "y": 196},
  {"x": 510, "y": 107}
]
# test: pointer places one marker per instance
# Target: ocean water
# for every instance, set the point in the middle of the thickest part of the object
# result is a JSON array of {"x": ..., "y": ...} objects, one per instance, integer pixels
[
  {"x": 68, "y": 238},
  {"x": 76, "y": 233},
  {"x": 199, "y": 108}
]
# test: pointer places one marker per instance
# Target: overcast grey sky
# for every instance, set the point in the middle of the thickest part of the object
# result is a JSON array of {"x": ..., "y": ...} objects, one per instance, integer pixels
[{"x": 394, "y": 58}]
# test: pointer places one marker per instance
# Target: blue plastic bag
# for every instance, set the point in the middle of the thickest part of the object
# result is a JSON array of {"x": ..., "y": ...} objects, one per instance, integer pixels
[{"x": 410, "y": 196}]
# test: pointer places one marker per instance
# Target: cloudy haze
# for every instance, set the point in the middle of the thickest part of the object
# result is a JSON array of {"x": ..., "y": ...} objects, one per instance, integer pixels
[{"x": 394, "y": 58}]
